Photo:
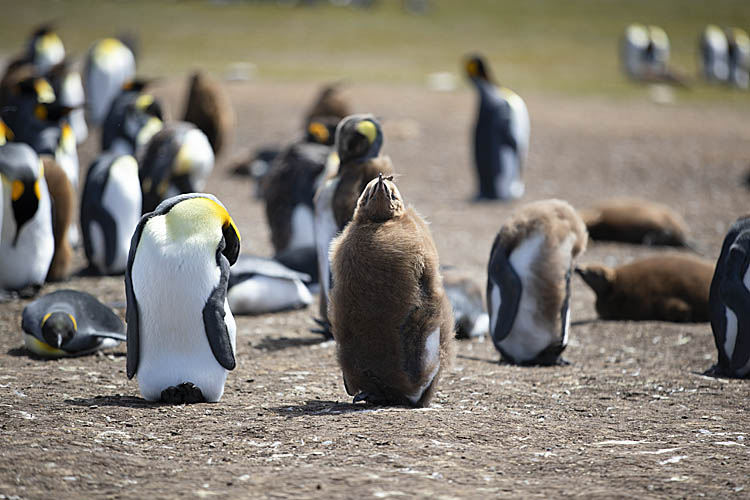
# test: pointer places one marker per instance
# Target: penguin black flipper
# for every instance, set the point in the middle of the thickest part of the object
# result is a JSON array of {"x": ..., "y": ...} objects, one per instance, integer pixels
[
  {"x": 737, "y": 297},
  {"x": 213, "y": 315},
  {"x": 565, "y": 309},
  {"x": 91, "y": 211},
  {"x": 503, "y": 286},
  {"x": 131, "y": 313}
]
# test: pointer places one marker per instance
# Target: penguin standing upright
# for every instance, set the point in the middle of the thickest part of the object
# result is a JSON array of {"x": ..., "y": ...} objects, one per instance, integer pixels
[
  {"x": 714, "y": 52},
  {"x": 26, "y": 238},
  {"x": 209, "y": 108},
  {"x": 132, "y": 120},
  {"x": 501, "y": 136},
  {"x": 177, "y": 160},
  {"x": 181, "y": 333},
  {"x": 359, "y": 139},
  {"x": 68, "y": 88},
  {"x": 110, "y": 211},
  {"x": 739, "y": 57},
  {"x": 729, "y": 302},
  {"x": 528, "y": 282},
  {"x": 70, "y": 323},
  {"x": 109, "y": 64},
  {"x": 390, "y": 316}
]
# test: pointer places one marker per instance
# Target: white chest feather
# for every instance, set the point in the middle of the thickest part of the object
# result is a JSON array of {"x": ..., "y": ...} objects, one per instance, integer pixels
[
  {"x": 122, "y": 199},
  {"x": 265, "y": 294},
  {"x": 325, "y": 230},
  {"x": 303, "y": 227},
  {"x": 171, "y": 281},
  {"x": 430, "y": 364}
]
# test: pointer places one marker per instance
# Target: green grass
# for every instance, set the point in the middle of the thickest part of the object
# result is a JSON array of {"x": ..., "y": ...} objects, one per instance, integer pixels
[{"x": 559, "y": 46}]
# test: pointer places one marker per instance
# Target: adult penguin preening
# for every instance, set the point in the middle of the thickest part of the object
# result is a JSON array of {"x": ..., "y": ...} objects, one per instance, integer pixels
[
  {"x": 501, "y": 135},
  {"x": 181, "y": 333}
]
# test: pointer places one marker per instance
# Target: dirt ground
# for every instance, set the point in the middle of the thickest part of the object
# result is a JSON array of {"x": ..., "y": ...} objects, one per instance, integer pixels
[{"x": 632, "y": 415}]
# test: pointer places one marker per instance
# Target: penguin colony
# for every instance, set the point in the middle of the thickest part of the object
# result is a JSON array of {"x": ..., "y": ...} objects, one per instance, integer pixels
[{"x": 337, "y": 218}]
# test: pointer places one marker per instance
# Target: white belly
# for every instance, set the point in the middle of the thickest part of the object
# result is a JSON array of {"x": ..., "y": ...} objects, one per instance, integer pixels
[
  {"x": 303, "y": 227},
  {"x": 171, "y": 282},
  {"x": 122, "y": 198},
  {"x": 263, "y": 294}
]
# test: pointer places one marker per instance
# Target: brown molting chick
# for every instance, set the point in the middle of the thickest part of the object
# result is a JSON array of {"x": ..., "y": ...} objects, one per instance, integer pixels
[
  {"x": 636, "y": 221},
  {"x": 209, "y": 108},
  {"x": 390, "y": 316},
  {"x": 329, "y": 103},
  {"x": 63, "y": 201},
  {"x": 672, "y": 287}
]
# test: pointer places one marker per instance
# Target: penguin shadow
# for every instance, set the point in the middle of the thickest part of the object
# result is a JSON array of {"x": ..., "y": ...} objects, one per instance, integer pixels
[
  {"x": 502, "y": 362},
  {"x": 116, "y": 400},
  {"x": 320, "y": 407},
  {"x": 273, "y": 344}
]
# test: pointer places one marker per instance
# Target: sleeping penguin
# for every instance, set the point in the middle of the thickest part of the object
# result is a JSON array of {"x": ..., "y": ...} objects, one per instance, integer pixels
[
  {"x": 501, "y": 136},
  {"x": 181, "y": 332},
  {"x": 390, "y": 316},
  {"x": 70, "y": 323},
  {"x": 729, "y": 302},
  {"x": 26, "y": 238},
  {"x": 109, "y": 65},
  {"x": 178, "y": 159},
  {"x": 359, "y": 139},
  {"x": 528, "y": 283},
  {"x": 110, "y": 211}
]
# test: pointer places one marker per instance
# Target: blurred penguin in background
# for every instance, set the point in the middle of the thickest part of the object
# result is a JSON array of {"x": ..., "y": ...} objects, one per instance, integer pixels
[
  {"x": 210, "y": 109},
  {"x": 714, "y": 53},
  {"x": 739, "y": 57},
  {"x": 645, "y": 52},
  {"x": 132, "y": 120},
  {"x": 501, "y": 136},
  {"x": 109, "y": 65}
]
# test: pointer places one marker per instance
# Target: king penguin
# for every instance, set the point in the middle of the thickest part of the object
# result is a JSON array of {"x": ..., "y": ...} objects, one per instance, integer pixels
[
  {"x": 501, "y": 136},
  {"x": 110, "y": 211},
  {"x": 729, "y": 302},
  {"x": 26, "y": 239},
  {"x": 739, "y": 57},
  {"x": 358, "y": 141},
  {"x": 109, "y": 64},
  {"x": 181, "y": 332},
  {"x": 390, "y": 316},
  {"x": 528, "y": 281},
  {"x": 177, "y": 160},
  {"x": 209, "y": 108},
  {"x": 70, "y": 323},
  {"x": 714, "y": 51},
  {"x": 132, "y": 120}
]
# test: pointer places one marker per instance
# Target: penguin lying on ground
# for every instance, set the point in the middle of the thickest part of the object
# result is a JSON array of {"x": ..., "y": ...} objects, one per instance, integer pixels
[
  {"x": 26, "y": 238},
  {"x": 467, "y": 300},
  {"x": 109, "y": 65},
  {"x": 670, "y": 287},
  {"x": 358, "y": 142},
  {"x": 528, "y": 285},
  {"x": 133, "y": 118},
  {"x": 258, "y": 286},
  {"x": 501, "y": 136},
  {"x": 70, "y": 323},
  {"x": 110, "y": 211},
  {"x": 390, "y": 316},
  {"x": 636, "y": 221},
  {"x": 178, "y": 159},
  {"x": 209, "y": 108},
  {"x": 729, "y": 302},
  {"x": 181, "y": 332},
  {"x": 63, "y": 199}
]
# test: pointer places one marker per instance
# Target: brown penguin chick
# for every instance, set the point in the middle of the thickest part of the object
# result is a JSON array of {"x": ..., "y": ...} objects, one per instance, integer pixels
[
  {"x": 209, "y": 108},
  {"x": 63, "y": 201},
  {"x": 636, "y": 221},
  {"x": 671, "y": 287},
  {"x": 389, "y": 313},
  {"x": 329, "y": 103}
]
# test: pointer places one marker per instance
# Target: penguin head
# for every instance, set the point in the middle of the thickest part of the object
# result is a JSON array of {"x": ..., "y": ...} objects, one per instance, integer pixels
[
  {"x": 202, "y": 216},
  {"x": 58, "y": 328},
  {"x": 321, "y": 130},
  {"x": 25, "y": 188},
  {"x": 143, "y": 117},
  {"x": 476, "y": 68},
  {"x": 358, "y": 138},
  {"x": 45, "y": 49},
  {"x": 600, "y": 278},
  {"x": 380, "y": 200}
]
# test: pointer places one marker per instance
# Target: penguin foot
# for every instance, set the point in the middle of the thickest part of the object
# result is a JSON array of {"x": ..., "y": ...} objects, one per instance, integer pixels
[
  {"x": 185, "y": 393},
  {"x": 373, "y": 399},
  {"x": 324, "y": 330}
]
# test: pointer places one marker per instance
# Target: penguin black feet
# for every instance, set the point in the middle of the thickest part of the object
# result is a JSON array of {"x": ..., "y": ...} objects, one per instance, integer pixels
[
  {"x": 373, "y": 399},
  {"x": 324, "y": 330},
  {"x": 185, "y": 393}
]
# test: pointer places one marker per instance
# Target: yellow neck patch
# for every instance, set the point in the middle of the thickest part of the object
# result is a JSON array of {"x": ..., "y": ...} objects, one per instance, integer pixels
[
  {"x": 319, "y": 131},
  {"x": 16, "y": 190},
  {"x": 36, "y": 346},
  {"x": 368, "y": 129},
  {"x": 472, "y": 68},
  {"x": 143, "y": 101},
  {"x": 44, "y": 92}
]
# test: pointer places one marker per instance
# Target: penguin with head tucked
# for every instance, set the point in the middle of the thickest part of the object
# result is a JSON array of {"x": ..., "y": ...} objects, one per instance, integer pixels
[
  {"x": 177, "y": 160},
  {"x": 110, "y": 211},
  {"x": 359, "y": 139},
  {"x": 181, "y": 332},
  {"x": 133, "y": 118},
  {"x": 70, "y": 323},
  {"x": 109, "y": 64},
  {"x": 501, "y": 136},
  {"x": 26, "y": 237},
  {"x": 671, "y": 287},
  {"x": 729, "y": 302},
  {"x": 209, "y": 108},
  {"x": 389, "y": 313},
  {"x": 528, "y": 283}
]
